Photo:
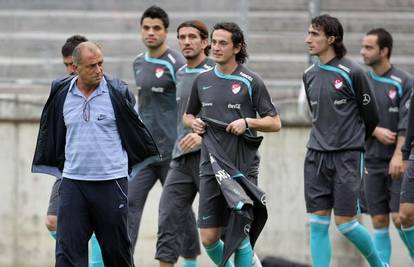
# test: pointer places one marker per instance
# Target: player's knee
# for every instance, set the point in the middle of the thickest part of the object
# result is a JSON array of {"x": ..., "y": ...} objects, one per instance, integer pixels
[
  {"x": 380, "y": 221},
  {"x": 406, "y": 216},
  {"x": 343, "y": 219},
  {"x": 396, "y": 220},
  {"x": 209, "y": 236},
  {"x": 51, "y": 222}
]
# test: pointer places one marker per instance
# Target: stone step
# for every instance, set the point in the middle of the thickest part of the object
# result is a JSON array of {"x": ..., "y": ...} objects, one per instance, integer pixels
[
  {"x": 43, "y": 44},
  {"x": 124, "y": 5},
  {"x": 334, "y": 5},
  {"x": 277, "y": 88},
  {"x": 269, "y": 66},
  {"x": 368, "y": 5},
  {"x": 356, "y": 22},
  {"x": 127, "y": 22},
  {"x": 200, "y": 5},
  {"x": 83, "y": 21}
]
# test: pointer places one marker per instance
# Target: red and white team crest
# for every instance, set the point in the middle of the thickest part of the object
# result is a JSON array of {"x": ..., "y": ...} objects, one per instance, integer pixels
[
  {"x": 235, "y": 87},
  {"x": 159, "y": 72},
  {"x": 338, "y": 83},
  {"x": 392, "y": 93}
]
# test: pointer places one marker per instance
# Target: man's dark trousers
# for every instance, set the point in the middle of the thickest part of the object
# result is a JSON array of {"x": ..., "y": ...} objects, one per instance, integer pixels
[{"x": 93, "y": 206}]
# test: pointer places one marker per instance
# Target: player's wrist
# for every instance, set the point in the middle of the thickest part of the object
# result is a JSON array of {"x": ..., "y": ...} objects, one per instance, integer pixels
[{"x": 246, "y": 123}]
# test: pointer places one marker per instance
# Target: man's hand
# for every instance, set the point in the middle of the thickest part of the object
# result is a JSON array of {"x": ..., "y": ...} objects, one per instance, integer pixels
[
  {"x": 237, "y": 127},
  {"x": 385, "y": 136},
  {"x": 396, "y": 168},
  {"x": 190, "y": 141},
  {"x": 198, "y": 126}
]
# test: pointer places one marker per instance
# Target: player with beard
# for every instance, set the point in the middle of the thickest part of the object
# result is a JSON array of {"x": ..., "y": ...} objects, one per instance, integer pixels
[{"x": 383, "y": 159}]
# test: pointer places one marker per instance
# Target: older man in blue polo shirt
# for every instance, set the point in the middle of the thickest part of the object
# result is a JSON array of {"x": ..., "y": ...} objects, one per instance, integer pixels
[{"x": 92, "y": 137}]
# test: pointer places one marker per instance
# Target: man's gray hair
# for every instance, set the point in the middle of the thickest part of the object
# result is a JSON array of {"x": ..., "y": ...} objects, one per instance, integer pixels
[{"x": 77, "y": 52}]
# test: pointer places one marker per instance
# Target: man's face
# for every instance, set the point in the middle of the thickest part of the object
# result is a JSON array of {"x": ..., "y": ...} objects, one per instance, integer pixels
[
  {"x": 317, "y": 41},
  {"x": 69, "y": 66},
  {"x": 222, "y": 47},
  {"x": 370, "y": 50},
  {"x": 90, "y": 69},
  {"x": 153, "y": 32},
  {"x": 190, "y": 42}
]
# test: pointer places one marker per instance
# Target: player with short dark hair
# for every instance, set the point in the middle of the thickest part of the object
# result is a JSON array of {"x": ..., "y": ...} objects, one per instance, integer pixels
[
  {"x": 67, "y": 50},
  {"x": 155, "y": 74},
  {"x": 406, "y": 213},
  {"x": 383, "y": 158}
]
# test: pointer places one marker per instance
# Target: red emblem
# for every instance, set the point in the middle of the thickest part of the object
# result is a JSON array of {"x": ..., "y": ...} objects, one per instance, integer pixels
[
  {"x": 159, "y": 72},
  {"x": 338, "y": 83},
  {"x": 235, "y": 87},
  {"x": 392, "y": 93}
]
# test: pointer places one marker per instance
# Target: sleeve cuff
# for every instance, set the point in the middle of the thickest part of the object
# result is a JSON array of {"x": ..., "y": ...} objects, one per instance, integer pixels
[{"x": 405, "y": 154}]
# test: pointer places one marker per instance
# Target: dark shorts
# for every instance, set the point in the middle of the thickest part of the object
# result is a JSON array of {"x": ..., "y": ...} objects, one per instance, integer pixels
[
  {"x": 54, "y": 198},
  {"x": 407, "y": 186},
  {"x": 332, "y": 181},
  {"x": 382, "y": 193},
  {"x": 213, "y": 211}
]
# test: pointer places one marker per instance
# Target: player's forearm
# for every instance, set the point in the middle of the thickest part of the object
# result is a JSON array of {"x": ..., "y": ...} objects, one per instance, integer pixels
[
  {"x": 265, "y": 124},
  {"x": 398, "y": 146}
]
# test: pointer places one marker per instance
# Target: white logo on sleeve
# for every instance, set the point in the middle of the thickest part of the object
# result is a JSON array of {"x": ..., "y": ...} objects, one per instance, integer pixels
[{"x": 366, "y": 99}]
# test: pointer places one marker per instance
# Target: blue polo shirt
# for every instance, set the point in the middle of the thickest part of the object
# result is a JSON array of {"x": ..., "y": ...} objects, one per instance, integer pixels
[{"x": 93, "y": 146}]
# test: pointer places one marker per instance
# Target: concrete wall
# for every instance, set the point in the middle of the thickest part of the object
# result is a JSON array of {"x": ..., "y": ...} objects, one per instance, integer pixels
[{"x": 25, "y": 241}]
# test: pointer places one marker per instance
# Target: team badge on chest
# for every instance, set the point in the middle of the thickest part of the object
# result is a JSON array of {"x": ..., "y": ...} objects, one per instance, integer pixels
[
  {"x": 235, "y": 88},
  {"x": 392, "y": 93},
  {"x": 338, "y": 83},
  {"x": 159, "y": 72}
]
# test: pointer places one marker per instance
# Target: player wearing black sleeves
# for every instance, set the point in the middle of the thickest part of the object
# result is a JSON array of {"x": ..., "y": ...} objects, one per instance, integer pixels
[
  {"x": 383, "y": 158},
  {"x": 343, "y": 113},
  {"x": 234, "y": 95}
]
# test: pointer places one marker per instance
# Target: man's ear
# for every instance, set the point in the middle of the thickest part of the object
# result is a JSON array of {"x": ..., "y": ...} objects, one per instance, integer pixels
[
  {"x": 237, "y": 49},
  {"x": 204, "y": 43},
  {"x": 331, "y": 40},
  {"x": 384, "y": 51}
]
